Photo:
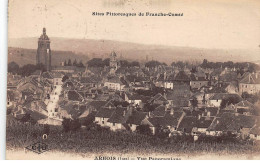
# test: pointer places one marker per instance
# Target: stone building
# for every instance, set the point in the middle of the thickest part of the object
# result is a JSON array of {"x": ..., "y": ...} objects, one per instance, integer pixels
[{"x": 44, "y": 52}]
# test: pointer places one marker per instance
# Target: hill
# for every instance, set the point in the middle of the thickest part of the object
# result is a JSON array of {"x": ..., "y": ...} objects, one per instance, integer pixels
[
  {"x": 28, "y": 56},
  {"x": 134, "y": 51}
]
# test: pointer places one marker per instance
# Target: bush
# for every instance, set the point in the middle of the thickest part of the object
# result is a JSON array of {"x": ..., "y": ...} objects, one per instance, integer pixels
[
  {"x": 144, "y": 129},
  {"x": 70, "y": 125}
]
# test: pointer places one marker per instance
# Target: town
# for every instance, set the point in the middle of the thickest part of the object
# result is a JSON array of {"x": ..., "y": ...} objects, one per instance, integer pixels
[{"x": 148, "y": 98}]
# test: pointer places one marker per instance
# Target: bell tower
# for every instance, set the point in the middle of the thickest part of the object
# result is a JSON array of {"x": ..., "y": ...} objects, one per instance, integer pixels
[
  {"x": 44, "y": 52},
  {"x": 113, "y": 64}
]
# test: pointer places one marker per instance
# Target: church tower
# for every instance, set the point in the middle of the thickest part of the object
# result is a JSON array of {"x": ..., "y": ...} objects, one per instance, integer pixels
[
  {"x": 44, "y": 52},
  {"x": 113, "y": 64}
]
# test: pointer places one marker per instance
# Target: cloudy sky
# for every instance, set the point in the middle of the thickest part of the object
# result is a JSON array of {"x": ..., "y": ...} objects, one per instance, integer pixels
[{"x": 222, "y": 24}]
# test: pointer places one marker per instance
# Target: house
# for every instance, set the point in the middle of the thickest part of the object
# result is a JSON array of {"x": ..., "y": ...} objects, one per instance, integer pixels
[
  {"x": 73, "y": 95},
  {"x": 136, "y": 119},
  {"x": 104, "y": 114},
  {"x": 250, "y": 83},
  {"x": 187, "y": 124},
  {"x": 135, "y": 99},
  {"x": 182, "y": 78},
  {"x": 202, "y": 124},
  {"x": 158, "y": 99},
  {"x": 117, "y": 121},
  {"x": 169, "y": 81},
  {"x": 115, "y": 83},
  {"x": 169, "y": 120},
  {"x": 254, "y": 132},
  {"x": 57, "y": 78},
  {"x": 232, "y": 123},
  {"x": 198, "y": 80},
  {"x": 231, "y": 87},
  {"x": 216, "y": 99},
  {"x": 179, "y": 96}
]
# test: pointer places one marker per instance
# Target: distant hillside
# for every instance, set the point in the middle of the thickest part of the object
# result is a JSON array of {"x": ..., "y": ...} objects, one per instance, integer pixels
[
  {"x": 28, "y": 56},
  {"x": 133, "y": 51}
]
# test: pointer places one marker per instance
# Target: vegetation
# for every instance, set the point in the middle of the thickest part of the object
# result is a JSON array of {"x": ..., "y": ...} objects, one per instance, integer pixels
[
  {"x": 239, "y": 65},
  {"x": 194, "y": 102},
  {"x": 70, "y": 125},
  {"x": 144, "y": 129},
  {"x": 75, "y": 63},
  {"x": 25, "y": 70},
  {"x": 152, "y": 64},
  {"x": 99, "y": 140},
  {"x": 98, "y": 62},
  {"x": 227, "y": 101},
  {"x": 250, "y": 97}
]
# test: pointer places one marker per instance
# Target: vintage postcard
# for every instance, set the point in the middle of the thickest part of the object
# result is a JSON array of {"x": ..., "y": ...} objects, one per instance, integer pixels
[{"x": 133, "y": 79}]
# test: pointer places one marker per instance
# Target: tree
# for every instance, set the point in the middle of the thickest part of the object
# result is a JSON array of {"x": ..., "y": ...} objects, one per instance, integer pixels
[
  {"x": 106, "y": 62},
  {"x": 144, "y": 129},
  {"x": 135, "y": 64},
  {"x": 124, "y": 63},
  {"x": 70, "y": 125},
  {"x": 80, "y": 64},
  {"x": 27, "y": 70},
  {"x": 75, "y": 63},
  {"x": 41, "y": 67},
  {"x": 204, "y": 63},
  {"x": 69, "y": 63},
  {"x": 227, "y": 101},
  {"x": 194, "y": 102},
  {"x": 162, "y": 132},
  {"x": 95, "y": 62},
  {"x": 193, "y": 70},
  {"x": 13, "y": 67},
  {"x": 249, "y": 97},
  {"x": 152, "y": 64},
  {"x": 64, "y": 78}
]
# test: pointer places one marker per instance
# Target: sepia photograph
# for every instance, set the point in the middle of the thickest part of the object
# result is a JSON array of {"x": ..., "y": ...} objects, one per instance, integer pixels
[{"x": 133, "y": 80}]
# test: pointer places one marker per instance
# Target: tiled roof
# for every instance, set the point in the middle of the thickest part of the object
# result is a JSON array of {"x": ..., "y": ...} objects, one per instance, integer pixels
[
  {"x": 251, "y": 79},
  {"x": 159, "y": 111},
  {"x": 187, "y": 124},
  {"x": 221, "y": 96},
  {"x": 232, "y": 122},
  {"x": 96, "y": 104},
  {"x": 118, "y": 115},
  {"x": 136, "y": 117},
  {"x": 182, "y": 76},
  {"x": 74, "y": 96},
  {"x": 105, "y": 112}
]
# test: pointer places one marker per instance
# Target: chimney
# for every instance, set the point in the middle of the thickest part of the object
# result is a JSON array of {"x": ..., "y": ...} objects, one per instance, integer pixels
[
  {"x": 208, "y": 114},
  {"x": 172, "y": 111}
]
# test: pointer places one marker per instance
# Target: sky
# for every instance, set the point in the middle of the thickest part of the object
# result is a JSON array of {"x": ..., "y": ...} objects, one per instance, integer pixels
[{"x": 217, "y": 24}]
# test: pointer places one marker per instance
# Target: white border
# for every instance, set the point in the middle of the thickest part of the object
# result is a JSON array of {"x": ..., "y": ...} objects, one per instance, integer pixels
[{"x": 3, "y": 74}]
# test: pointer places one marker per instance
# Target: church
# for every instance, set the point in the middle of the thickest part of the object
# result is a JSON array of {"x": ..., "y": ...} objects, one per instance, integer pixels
[{"x": 43, "y": 51}]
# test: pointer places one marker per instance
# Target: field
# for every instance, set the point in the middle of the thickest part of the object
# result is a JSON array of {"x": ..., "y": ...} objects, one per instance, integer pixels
[{"x": 86, "y": 142}]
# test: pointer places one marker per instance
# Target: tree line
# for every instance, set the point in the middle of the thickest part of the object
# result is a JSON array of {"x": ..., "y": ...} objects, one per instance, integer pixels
[
  {"x": 99, "y": 62},
  {"x": 75, "y": 63},
  {"x": 25, "y": 70}
]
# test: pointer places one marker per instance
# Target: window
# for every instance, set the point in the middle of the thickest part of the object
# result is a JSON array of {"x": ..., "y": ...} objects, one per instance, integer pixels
[
  {"x": 114, "y": 124},
  {"x": 103, "y": 122},
  {"x": 56, "y": 109},
  {"x": 103, "y": 118},
  {"x": 130, "y": 125}
]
